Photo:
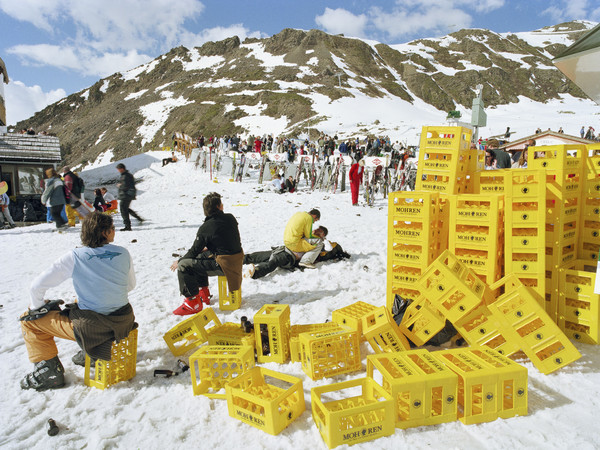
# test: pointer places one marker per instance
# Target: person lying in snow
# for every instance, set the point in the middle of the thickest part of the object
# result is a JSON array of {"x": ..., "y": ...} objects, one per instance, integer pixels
[
  {"x": 102, "y": 276},
  {"x": 263, "y": 263},
  {"x": 217, "y": 250}
]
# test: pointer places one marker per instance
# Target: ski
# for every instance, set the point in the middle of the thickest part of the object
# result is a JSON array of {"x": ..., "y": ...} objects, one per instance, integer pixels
[
  {"x": 240, "y": 173},
  {"x": 261, "y": 171}
]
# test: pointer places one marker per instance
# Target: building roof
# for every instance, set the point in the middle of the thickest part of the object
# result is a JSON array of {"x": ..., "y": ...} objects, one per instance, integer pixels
[
  {"x": 3, "y": 71},
  {"x": 581, "y": 63},
  {"x": 552, "y": 138},
  {"x": 15, "y": 148}
]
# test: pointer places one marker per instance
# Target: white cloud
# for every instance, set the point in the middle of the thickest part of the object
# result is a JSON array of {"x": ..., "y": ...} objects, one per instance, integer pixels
[
  {"x": 404, "y": 18},
  {"x": 38, "y": 12},
  {"x": 336, "y": 21},
  {"x": 23, "y": 101},
  {"x": 565, "y": 10},
  {"x": 85, "y": 61},
  {"x": 190, "y": 40}
]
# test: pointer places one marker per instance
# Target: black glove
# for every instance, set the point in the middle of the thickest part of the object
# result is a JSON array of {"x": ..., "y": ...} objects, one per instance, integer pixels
[
  {"x": 77, "y": 204},
  {"x": 34, "y": 314}
]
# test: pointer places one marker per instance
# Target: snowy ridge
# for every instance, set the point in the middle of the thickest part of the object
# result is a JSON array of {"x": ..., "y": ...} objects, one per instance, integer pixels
[{"x": 153, "y": 413}]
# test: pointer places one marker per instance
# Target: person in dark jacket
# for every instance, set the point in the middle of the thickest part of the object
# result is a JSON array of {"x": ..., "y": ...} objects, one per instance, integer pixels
[
  {"x": 126, "y": 195},
  {"x": 217, "y": 250},
  {"x": 102, "y": 275},
  {"x": 54, "y": 195},
  {"x": 99, "y": 202}
]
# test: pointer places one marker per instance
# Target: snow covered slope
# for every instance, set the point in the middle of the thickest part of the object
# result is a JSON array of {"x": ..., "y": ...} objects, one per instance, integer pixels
[{"x": 158, "y": 413}]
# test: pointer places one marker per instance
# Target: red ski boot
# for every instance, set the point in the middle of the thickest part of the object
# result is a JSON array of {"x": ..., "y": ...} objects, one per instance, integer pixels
[
  {"x": 191, "y": 305},
  {"x": 204, "y": 295}
]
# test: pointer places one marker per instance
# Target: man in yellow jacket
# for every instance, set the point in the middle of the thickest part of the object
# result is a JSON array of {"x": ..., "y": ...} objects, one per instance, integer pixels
[{"x": 299, "y": 239}]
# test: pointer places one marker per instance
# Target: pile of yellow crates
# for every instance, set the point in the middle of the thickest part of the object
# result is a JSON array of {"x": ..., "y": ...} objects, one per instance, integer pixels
[{"x": 538, "y": 224}]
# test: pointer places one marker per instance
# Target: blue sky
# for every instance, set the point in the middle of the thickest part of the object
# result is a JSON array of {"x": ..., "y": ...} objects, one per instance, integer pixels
[{"x": 53, "y": 48}]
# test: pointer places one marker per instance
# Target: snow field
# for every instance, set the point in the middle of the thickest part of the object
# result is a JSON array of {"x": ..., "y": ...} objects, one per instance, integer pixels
[{"x": 153, "y": 413}]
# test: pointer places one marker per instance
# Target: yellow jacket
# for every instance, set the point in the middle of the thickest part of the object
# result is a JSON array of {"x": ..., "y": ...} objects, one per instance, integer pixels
[{"x": 298, "y": 227}]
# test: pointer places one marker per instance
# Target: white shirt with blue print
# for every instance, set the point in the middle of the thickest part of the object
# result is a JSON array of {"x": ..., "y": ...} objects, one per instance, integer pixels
[{"x": 101, "y": 277}]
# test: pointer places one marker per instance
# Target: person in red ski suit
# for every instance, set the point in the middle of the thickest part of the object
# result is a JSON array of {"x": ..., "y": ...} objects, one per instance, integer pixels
[{"x": 356, "y": 177}]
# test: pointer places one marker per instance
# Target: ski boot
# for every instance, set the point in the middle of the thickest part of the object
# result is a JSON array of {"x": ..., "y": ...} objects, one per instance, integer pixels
[
  {"x": 48, "y": 374},
  {"x": 193, "y": 305},
  {"x": 79, "y": 359}
]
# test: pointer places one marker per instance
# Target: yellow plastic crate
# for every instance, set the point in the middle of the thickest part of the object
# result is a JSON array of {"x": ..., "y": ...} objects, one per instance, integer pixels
[
  {"x": 412, "y": 255},
  {"x": 590, "y": 231},
  {"x": 351, "y": 316},
  {"x": 451, "y": 161},
  {"x": 539, "y": 337},
  {"x": 405, "y": 293},
  {"x": 592, "y": 161},
  {"x": 213, "y": 366},
  {"x": 556, "y": 157},
  {"x": 228, "y": 301},
  {"x": 230, "y": 334},
  {"x": 265, "y": 399},
  {"x": 564, "y": 233},
  {"x": 445, "y": 138},
  {"x": 489, "y": 384},
  {"x": 564, "y": 183},
  {"x": 191, "y": 332},
  {"x": 424, "y": 390},
  {"x": 417, "y": 232},
  {"x": 591, "y": 186},
  {"x": 487, "y": 265},
  {"x": 590, "y": 209},
  {"x": 481, "y": 328},
  {"x": 382, "y": 332},
  {"x": 560, "y": 254},
  {"x": 566, "y": 208},
  {"x": 578, "y": 306},
  {"x": 452, "y": 288},
  {"x": 272, "y": 332},
  {"x": 491, "y": 181},
  {"x": 295, "y": 330},
  {"x": 421, "y": 321},
  {"x": 475, "y": 209},
  {"x": 419, "y": 206},
  {"x": 441, "y": 182},
  {"x": 121, "y": 367},
  {"x": 330, "y": 352},
  {"x": 527, "y": 185},
  {"x": 405, "y": 276},
  {"x": 345, "y": 416},
  {"x": 552, "y": 296},
  {"x": 588, "y": 250}
]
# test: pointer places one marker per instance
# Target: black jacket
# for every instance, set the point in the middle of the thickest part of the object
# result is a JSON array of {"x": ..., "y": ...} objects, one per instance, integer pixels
[
  {"x": 219, "y": 233},
  {"x": 126, "y": 186}
]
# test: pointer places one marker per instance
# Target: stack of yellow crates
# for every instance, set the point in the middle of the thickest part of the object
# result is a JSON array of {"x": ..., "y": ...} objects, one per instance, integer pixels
[
  {"x": 446, "y": 160},
  {"x": 589, "y": 238},
  {"x": 417, "y": 234},
  {"x": 476, "y": 234},
  {"x": 563, "y": 166},
  {"x": 525, "y": 228}
]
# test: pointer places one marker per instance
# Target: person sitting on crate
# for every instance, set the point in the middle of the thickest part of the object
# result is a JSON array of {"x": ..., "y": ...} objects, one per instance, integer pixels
[
  {"x": 172, "y": 159},
  {"x": 99, "y": 202},
  {"x": 260, "y": 264},
  {"x": 217, "y": 250},
  {"x": 102, "y": 276}
]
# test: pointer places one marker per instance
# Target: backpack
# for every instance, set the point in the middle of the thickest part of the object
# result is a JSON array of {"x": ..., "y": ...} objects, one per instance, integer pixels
[{"x": 78, "y": 185}]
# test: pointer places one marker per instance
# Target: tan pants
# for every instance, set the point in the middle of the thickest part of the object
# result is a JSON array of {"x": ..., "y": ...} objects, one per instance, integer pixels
[{"x": 39, "y": 335}]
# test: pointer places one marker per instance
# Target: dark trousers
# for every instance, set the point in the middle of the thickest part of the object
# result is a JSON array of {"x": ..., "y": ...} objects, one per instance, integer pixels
[
  {"x": 193, "y": 274},
  {"x": 125, "y": 211},
  {"x": 56, "y": 213},
  {"x": 267, "y": 262}
]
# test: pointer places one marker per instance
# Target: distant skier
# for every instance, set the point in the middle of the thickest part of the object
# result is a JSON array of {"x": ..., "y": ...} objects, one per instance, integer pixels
[
  {"x": 126, "y": 195},
  {"x": 356, "y": 178}
]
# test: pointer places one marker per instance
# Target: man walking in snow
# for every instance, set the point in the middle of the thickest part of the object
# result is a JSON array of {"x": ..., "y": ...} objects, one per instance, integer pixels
[
  {"x": 356, "y": 178},
  {"x": 299, "y": 238},
  {"x": 217, "y": 250},
  {"x": 126, "y": 195}
]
